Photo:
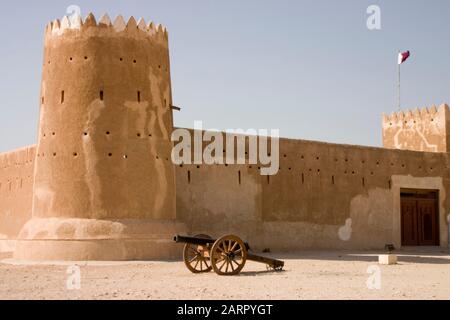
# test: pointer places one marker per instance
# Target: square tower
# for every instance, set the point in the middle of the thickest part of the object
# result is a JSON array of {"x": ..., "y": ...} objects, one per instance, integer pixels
[{"x": 424, "y": 130}]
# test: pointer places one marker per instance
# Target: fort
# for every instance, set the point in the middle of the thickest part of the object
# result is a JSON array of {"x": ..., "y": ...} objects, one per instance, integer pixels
[{"x": 100, "y": 185}]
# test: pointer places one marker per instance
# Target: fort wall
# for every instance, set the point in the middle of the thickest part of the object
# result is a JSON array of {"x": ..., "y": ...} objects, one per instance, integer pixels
[
  {"x": 16, "y": 186},
  {"x": 324, "y": 196}
]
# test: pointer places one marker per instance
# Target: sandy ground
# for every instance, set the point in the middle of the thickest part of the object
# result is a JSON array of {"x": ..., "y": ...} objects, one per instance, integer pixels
[{"x": 309, "y": 275}]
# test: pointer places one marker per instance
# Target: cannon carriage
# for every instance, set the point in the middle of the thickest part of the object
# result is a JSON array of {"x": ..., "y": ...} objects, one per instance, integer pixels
[{"x": 227, "y": 255}]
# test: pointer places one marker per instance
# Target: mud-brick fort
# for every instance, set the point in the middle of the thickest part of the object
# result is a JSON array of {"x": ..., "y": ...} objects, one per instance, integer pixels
[{"x": 100, "y": 184}]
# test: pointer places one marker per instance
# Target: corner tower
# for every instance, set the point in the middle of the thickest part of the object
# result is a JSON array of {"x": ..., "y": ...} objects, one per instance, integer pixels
[
  {"x": 104, "y": 182},
  {"x": 426, "y": 130}
]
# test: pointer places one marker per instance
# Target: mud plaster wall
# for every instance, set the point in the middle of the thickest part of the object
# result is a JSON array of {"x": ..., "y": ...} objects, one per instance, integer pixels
[
  {"x": 324, "y": 196},
  {"x": 307, "y": 205},
  {"x": 16, "y": 184}
]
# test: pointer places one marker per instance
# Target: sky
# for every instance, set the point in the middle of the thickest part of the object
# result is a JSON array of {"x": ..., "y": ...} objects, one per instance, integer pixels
[{"x": 310, "y": 68}]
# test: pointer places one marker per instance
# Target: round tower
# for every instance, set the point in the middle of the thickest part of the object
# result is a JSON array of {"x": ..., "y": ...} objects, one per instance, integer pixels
[{"x": 104, "y": 186}]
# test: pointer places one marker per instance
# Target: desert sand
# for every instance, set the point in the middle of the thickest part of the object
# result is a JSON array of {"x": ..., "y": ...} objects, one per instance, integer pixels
[{"x": 420, "y": 274}]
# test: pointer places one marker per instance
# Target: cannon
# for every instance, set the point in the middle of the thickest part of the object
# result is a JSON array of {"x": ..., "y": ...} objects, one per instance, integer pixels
[{"x": 226, "y": 256}]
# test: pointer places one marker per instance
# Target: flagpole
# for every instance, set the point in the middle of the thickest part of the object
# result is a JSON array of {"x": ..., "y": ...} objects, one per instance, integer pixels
[{"x": 399, "y": 86}]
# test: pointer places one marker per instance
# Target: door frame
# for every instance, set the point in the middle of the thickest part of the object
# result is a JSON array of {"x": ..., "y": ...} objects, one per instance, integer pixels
[
  {"x": 399, "y": 182},
  {"x": 418, "y": 196}
]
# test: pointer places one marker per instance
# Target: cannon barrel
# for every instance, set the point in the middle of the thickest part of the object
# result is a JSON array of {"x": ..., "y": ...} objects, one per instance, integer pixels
[
  {"x": 199, "y": 241},
  {"x": 193, "y": 240}
]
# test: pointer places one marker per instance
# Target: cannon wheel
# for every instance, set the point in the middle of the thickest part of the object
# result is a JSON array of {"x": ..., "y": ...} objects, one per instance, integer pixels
[
  {"x": 228, "y": 256},
  {"x": 196, "y": 258}
]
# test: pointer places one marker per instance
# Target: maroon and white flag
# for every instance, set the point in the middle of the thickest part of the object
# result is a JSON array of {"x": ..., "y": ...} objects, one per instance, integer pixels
[{"x": 403, "y": 56}]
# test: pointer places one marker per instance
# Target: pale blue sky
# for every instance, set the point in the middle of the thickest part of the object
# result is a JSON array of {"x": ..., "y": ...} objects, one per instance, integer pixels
[{"x": 310, "y": 68}]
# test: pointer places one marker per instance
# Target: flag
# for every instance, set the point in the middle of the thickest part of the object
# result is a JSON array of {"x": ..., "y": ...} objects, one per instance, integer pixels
[{"x": 403, "y": 56}]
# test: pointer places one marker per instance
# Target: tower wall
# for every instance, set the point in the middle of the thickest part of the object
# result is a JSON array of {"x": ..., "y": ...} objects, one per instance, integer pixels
[
  {"x": 104, "y": 183},
  {"x": 418, "y": 130}
]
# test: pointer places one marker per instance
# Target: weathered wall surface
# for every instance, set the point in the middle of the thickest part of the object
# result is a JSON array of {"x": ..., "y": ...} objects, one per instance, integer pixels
[
  {"x": 419, "y": 130},
  {"x": 16, "y": 184},
  {"x": 309, "y": 204},
  {"x": 324, "y": 196}
]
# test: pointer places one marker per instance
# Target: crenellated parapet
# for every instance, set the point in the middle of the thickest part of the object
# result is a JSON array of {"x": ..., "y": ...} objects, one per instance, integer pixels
[
  {"x": 75, "y": 26},
  {"x": 424, "y": 129},
  {"x": 423, "y": 114}
]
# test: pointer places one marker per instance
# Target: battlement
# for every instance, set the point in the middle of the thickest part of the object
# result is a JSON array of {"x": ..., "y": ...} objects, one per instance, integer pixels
[
  {"x": 75, "y": 25},
  {"x": 415, "y": 114},
  {"x": 423, "y": 129}
]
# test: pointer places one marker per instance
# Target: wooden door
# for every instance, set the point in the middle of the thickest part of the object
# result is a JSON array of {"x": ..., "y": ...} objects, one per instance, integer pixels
[
  {"x": 409, "y": 222},
  {"x": 419, "y": 219},
  {"x": 427, "y": 222}
]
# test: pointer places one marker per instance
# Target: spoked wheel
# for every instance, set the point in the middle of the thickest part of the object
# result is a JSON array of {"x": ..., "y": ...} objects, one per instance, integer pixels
[
  {"x": 228, "y": 256},
  {"x": 196, "y": 257}
]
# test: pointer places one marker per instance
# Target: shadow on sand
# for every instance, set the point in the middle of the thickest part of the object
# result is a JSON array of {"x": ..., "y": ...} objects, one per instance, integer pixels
[
  {"x": 261, "y": 273},
  {"x": 430, "y": 255}
]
